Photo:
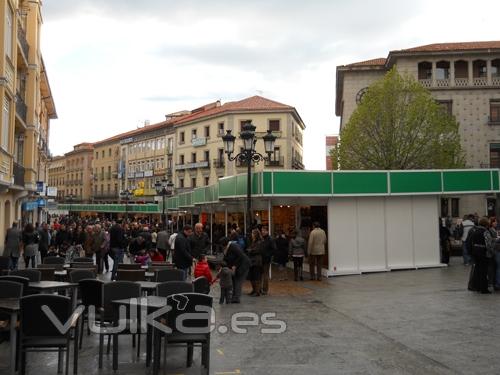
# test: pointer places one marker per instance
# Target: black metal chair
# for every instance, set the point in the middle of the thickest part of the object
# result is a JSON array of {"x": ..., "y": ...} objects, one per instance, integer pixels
[
  {"x": 169, "y": 288},
  {"x": 18, "y": 279},
  {"x": 91, "y": 295},
  {"x": 34, "y": 276},
  {"x": 9, "y": 289},
  {"x": 131, "y": 275},
  {"x": 39, "y": 334},
  {"x": 57, "y": 267},
  {"x": 169, "y": 275},
  {"x": 83, "y": 260},
  {"x": 84, "y": 265},
  {"x": 201, "y": 285},
  {"x": 53, "y": 260},
  {"x": 129, "y": 266},
  {"x": 4, "y": 264},
  {"x": 110, "y": 292},
  {"x": 76, "y": 275},
  {"x": 47, "y": 274},
  {"x": 193, "y": 332}
]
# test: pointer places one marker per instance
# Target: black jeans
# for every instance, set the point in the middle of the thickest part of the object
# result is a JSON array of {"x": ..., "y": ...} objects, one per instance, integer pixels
[
  {"x": 225, "y": 295},
  {"x": 27, "y": 261},
  {"x": 238, "y": 280},
  {"x": 297, "y": 267}
]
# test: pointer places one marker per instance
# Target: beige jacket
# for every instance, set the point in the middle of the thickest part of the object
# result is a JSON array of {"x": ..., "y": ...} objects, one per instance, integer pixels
[{"x": 317, "y": 242}]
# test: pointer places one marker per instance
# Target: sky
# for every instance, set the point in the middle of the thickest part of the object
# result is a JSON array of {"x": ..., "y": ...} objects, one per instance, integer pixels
[{"x": 115, "y": 64}]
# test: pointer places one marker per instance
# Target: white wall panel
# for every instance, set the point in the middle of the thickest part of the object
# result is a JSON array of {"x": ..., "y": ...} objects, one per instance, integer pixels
[
  {"x": 342, "y": 235},
  {"x": 399, "y": 226},
  {"x": 371, "y": 234},
  {"x": 425, "y": 231}
]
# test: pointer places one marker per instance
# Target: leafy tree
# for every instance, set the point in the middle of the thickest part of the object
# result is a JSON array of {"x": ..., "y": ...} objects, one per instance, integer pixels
[{"x": 399, "y": 125}]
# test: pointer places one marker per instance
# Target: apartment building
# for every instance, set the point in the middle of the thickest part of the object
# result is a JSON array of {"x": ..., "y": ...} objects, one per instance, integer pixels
[
  {"x": 331, "y": 143},
  {"x": 464, "y": 78},
  {"x": 27, "y": 108},
  {"x": 78, "y": 169},
  {"x": 105, "y": 166},
  {"x": 199, "y": 149},
  {"x": 57, "y": 176}
]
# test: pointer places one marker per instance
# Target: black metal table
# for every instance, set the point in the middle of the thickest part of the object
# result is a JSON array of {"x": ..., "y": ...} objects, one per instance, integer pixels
[{"x": 12, "y": 307}]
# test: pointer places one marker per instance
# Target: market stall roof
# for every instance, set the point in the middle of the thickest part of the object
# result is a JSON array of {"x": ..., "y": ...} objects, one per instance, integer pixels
[{"x": 303, "y": 185}]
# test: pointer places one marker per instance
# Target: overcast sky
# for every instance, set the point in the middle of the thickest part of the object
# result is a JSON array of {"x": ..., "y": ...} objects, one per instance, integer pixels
[{"x": 113, "y": 64}]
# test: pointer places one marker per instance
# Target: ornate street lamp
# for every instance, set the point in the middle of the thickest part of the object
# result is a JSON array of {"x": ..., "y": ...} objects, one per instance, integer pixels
[
  {"x": 164, "y": 188},
  {"x": 248, "y": 155},
  {"x": 125, "y": 195}
]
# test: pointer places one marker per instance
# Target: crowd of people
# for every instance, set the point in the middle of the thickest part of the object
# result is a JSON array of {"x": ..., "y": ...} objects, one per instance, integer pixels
[{"x": 241, "y": 257}]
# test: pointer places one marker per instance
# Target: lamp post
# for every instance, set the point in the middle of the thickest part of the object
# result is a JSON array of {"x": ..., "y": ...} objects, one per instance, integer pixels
[
  {"x": 164, "y": 188},
  {"x": 125, "y": 194},
  {"x": 248, "y": 155}
]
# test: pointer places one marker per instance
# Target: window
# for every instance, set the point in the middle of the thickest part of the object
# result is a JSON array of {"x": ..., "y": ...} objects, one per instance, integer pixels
[
  {"x": 181, "y": 137},
  {"x": 495, "y": 111},
  {"x": 102, "y": 189},
  {"x": 9, "y": 16},
  {"x": 181, "y": 183},
  {"x": 193, "y": 182},
  {"x": 244, "y": 122},
  {"x": 207, "y": 155},
  {"x": 109, "y": 172},
  {"x": 109, "y": 188},
  {"x": 5, "y": 124},
  {"x": 116, "y": 188},
  {"x": 109, "y": 152},
  {"x": 274, "y": 125},
  {"x": 444, "y": 207},
  {"x": 207, "y": 181},
  {"x": 220, "y": 128},
  {"x": 207, "y": 131},
  {"x": 103, "y": 154},
  {"x": 446, "y": 106},
  {"x": 220, "y": 152},
  {"x": 193, "y": 134},
  {"x": 181, "y": 159},
  {"x": 495, "y": 155},
  {"x": 193, "y": 157}
]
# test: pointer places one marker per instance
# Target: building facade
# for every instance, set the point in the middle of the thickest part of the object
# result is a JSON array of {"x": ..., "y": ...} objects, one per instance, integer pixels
[
  {"x": 199, "y": 149},
  {"x": 331, "y": 143},
  {"x": 27, "y": 108},
  {"x": 57, "y": 176},
  {"x": 464, "y": 78},
  {"x": 78, "y": 182},
  {"x": 105, "y": 165}
]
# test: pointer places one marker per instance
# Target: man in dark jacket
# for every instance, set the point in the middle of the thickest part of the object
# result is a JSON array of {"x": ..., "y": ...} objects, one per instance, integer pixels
[
  {"x": 117, "y": 245},
  {"x": 182, "y": 254},
  {"x": 236, "y": 259},
  {"x": 200, "y": 243},
  {"x": 63, "y": 238},
  {"x": 43, "y": 244},
  {"x": 268, "y": 252},
  {"x": 13, "y": 245},
  {"x": 162, "y": 243}
]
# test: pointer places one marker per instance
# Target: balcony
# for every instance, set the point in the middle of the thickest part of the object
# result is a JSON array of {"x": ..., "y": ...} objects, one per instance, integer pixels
[
  {"x": 21, "y": 37},
  {"x": 493, "y": 120},
  {"x": 219, "y": 163},
  {"x": 275, "y": 161},
  {"x": 18, "y": 175},
  {"x": 200, "y": 164},
  {"x": 21, "y": 107},
  {"x": 243, "y": 164},
  {"x": 106, "y": 196},
  {"x": 297, "y": 164}
]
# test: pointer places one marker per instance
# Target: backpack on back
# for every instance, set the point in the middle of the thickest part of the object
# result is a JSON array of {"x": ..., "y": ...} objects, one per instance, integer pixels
[{"x": 476, "y": 242}]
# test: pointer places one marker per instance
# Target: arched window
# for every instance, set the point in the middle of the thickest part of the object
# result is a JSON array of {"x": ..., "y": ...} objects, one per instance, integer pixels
[{"x": 424, "y": 70}]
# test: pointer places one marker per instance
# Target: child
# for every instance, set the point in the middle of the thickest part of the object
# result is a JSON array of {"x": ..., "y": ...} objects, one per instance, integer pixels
[
  {"x": 202, "y": 269},
  {"x": 225, "y": 275},
  {"x": 156, "y": 256},
  {"x": 142, "y": 257}
]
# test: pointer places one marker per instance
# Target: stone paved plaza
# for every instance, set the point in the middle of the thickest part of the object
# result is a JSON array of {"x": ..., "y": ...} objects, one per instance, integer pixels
[{"x": 407, "y": 322}]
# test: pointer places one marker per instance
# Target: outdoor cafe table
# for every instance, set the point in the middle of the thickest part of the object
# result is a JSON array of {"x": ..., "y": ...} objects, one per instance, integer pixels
[
  {"x": 54, "y": 286},
  {"x": 152, "y": 303},
  {"x": 11, "y": 306}
]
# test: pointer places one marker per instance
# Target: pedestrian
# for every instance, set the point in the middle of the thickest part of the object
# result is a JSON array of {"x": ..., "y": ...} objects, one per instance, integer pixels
[
  {"x": 268, "y": 249},
  {"x": 297, "y": 251},
  {"x": 255, "y": 254},
  {"x": 182, "y": 258},
  {"x": 162, "y": 242},
  {"x": 43, "y": 245},
  {"x": 445, "y": 241},
  {"x": 171, "y": 243},
  {"x": 225, "y": 277},
  {"x": 200, "y": 243},
  {"x": 467, "y": 224},
  {"x": 316, "y": 247},
  {"x": 12, "y": 248},
  {"x": 30, "y": 239},
  {"x": 490, "y": 252},
  {"x": 238, "y": 262},
  {"x": 98, "y": 246},
  {"x": 117, "y": 245},
  {"x": 481, "y": 244},
  {"x": 202, "y": 269},
  {"x": 281, "y": 256}
]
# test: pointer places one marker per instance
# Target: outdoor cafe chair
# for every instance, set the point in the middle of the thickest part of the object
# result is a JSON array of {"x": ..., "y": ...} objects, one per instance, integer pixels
[
  {"x": 201, "y": 285},
  {"x": 199, "y": 307},
  {"x": 47, "y": 274},
  {"x": 57, "y": 267},
  {"x": 83, "y": 260},
  {"x": 91, "y": 295},
  {"x": 9, "y": 289},
  {"x": 113, "y": 291},
  {"x": 34, "y": 276},
  {"x": 4, "y": 264},
  {"x": 169, "y": 288},
  {"x": 18, "y": 279},
  {"x": 53, "y": 260},
  {"x": 39, "y": 334},
  {"x": 131, "y": 275},
  {"x": 129, "y": 266},
  {"x": 75, "y": 275},
  {"x": 169, "y": 275}
]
